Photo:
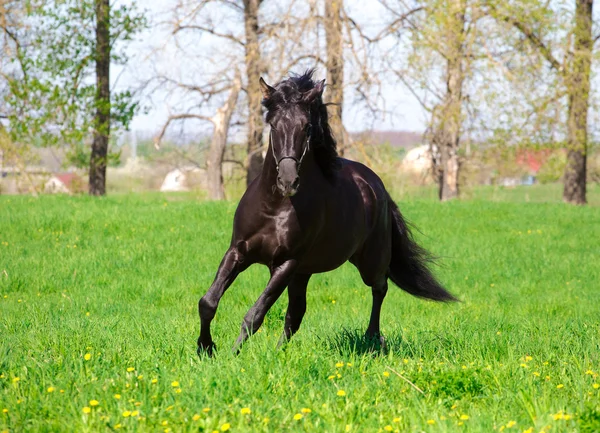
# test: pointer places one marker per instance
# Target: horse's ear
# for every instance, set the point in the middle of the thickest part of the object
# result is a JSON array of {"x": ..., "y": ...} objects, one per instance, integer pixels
[
  {"x": 266, "y": 90},
  {"x": 314, "y": 93}
]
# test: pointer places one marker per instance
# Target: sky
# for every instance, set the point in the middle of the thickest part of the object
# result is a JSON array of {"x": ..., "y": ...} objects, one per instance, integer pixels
[{"x": 403, "y": 111}]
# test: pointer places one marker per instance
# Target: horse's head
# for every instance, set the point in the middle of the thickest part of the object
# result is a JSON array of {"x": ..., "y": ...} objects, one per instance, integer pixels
[{"x": 291, "y": 120}]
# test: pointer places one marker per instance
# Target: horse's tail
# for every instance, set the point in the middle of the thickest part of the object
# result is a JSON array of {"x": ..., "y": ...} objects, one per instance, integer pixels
[{"x": 408, "y": 267}]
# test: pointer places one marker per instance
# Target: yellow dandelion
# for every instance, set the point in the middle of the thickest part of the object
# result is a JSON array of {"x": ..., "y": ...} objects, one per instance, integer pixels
[
  {"x": 596, "y": 386},
  {"x": 306, "y": 410},
  {"x": 246, "y": 411},
  {"x": 94, "y": 403},
  {"x": 590, "y": 372},
  {"x": 206, "y": 410},
  {"x": 524, "y": 365},
  {"x": 118, "y": 426},
  {"x": 225, "y": 426},
  {"x": 339, "y": 364},
  {"x": 16, "y": 379},
  {"x": 140, "y": 377},
  {"x": 529, "y": 430},
  {"x": 331, "y": 377},
  {"x": 87, "y": 356},
  {"x": 127, "y": 413},
  {"x": 167, "y": 430},
  {"x": 536, "y": 374},
  {"x": 135, "y": 413},
  {"x": 196, "y": 417},
  {"x": 348, "y": 427},
  {"x": 138, "y": 403},
  {"x": 4, "y": 410},
  {"x": 341, "y": 393},
  {"x": 557, "y": 416},
  {"x": 117, "y": 396},
  {"x": 339, "y": 376},
  {"x": 431, "y": 421},
  {"x": 388, "y": 428},
  {"x": 155, "y": 380},
  {"x": 464, "y": 417},
  {"x": 165, "y": 423},
  {"x": 559, "y": 386},
  {"x": 461, "y": 423},
  {"x": 348, "y": 364},
  {"x": 51, "y": 389},
  {"x": 443, "y": 418},
  {"x": 397, "y": 419},
  {"x": 298, "y": 416},
  {"x": 87, "y": 409},
  {"x": 130, "y": 369},
  {"x": 178, "y": 391},
  {"x": 266, "y": 420},
  {"x": 386, "y": 374},
  {"x": 528, "y": 358},
  {"x": 511, "y": 424},
  {"x": 174, "y": 384}
]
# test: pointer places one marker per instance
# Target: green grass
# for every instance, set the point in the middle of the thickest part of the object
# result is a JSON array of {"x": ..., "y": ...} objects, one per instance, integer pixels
[{"x": 119, "y": 279}]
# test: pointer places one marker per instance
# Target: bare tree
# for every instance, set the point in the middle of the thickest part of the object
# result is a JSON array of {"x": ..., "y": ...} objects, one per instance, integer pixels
[
  {"x": 221, "y": 121},
  {"x": 335, "y": 68}
]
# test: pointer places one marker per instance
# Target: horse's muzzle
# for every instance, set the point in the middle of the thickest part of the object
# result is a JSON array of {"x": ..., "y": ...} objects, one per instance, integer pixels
[
  {"x": 288, "y": 189},
  {"x": 288, "y": 180}
]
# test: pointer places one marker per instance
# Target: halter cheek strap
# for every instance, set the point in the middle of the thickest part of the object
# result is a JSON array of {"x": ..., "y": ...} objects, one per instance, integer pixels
[{"x": 298, "y": 162}]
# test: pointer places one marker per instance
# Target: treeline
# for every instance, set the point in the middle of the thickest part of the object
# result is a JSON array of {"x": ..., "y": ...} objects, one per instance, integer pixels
[{"x": 513, "y": 73}]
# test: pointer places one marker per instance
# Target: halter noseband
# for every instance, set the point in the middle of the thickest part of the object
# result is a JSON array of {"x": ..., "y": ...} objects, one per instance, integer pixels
[{"x": 298, "y": 161}]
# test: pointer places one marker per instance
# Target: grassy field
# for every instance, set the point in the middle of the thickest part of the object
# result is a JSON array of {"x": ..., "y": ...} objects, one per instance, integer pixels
[{"x": 98, "y": 323}]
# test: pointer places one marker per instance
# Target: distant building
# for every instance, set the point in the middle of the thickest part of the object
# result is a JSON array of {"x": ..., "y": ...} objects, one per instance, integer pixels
[
  {"x": 65, "y": 183},
  {"x": 184, "y": 179},
  {"x": 418, "y": 160}
]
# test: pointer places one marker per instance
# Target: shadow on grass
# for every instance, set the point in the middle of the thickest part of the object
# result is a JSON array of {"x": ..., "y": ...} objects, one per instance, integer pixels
[{"x": 354, "y": 341}]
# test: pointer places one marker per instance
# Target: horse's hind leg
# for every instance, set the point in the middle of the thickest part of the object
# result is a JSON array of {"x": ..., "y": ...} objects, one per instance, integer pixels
[
  {"x": 232, "y": 264},
  {"x": 296, "y": 306},
  {"x": 379, "y": 291}
]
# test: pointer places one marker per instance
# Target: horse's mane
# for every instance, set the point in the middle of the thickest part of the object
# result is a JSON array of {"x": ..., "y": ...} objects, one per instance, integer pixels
[{"x": 289, "y": 92}]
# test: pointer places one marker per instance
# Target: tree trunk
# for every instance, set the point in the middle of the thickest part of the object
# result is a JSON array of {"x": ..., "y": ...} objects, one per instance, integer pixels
[
  {"x": 578, "y": 87},
  {"x": 98, "y": 158},
  {"x": 255, "y": 122},
  {"x": 216, "y": 190},
  {"x": 451, "y": 120},
  {"x": 335, "y": 70}
]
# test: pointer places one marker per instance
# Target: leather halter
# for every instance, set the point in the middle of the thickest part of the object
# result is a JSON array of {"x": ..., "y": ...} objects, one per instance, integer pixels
[{"x": 298, "y": 161}]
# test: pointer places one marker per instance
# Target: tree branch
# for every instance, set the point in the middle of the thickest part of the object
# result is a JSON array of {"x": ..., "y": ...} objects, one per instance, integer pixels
[
  {"x": 174, "y": 117},
  {"x": 209, "y": 30}
]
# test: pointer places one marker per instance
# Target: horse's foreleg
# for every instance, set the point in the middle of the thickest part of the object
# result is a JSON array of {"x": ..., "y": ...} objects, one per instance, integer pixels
[
  {"x": 280, "y": 277},
  {"x": 232, "y": 264},
  {"x": 296, "y": 306},
  {"x": 379, "y": 291}
]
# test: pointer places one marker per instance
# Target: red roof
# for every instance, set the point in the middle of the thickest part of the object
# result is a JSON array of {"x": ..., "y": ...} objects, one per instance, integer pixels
[
  {"x": 71, "y": 181},
  {"x": 533, "y": 159}
]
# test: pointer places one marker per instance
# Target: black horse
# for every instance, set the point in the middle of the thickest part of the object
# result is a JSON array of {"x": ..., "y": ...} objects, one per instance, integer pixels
[{"x": 310, "y": 211}]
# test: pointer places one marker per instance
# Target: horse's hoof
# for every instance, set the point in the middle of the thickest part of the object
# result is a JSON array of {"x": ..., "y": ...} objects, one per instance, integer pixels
[{"x": 206, "y": 349}]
